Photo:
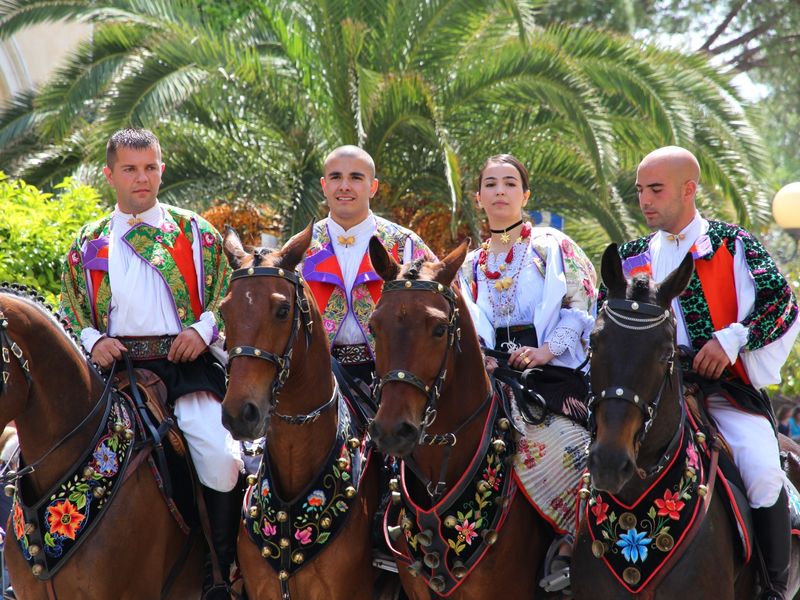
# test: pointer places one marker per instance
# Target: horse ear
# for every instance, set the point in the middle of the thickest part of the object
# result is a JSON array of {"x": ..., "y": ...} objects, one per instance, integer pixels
[
  {"x": 384, "y": 263},
  {"x": 450, "y": 264},
  {"x": 232, "y": 246},
  {"x": 611, "y": 272},
  {"x": 294, "y": 250},
  {"x": 675, "y": 282}
]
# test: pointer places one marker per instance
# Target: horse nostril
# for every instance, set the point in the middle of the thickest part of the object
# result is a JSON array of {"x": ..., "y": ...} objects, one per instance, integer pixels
[
  {"x": 250, "y": 413},
  {"x": 628, "y": 467},
  {"x": 407, "y": 431}
]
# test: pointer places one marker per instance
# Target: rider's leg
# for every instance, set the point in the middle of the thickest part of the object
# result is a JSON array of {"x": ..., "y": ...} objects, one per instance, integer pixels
[
  {"x": 218, "y": 462},
  {"x": 756, "y": 454}
]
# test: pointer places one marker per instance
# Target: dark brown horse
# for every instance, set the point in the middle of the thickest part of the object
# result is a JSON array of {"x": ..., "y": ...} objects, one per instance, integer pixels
[
  {"x": 438, "y": 413},
  {"x": 639, "y": 415},
  {"x": 51, "y": 391},
  {"x": 281, "y": 386}
]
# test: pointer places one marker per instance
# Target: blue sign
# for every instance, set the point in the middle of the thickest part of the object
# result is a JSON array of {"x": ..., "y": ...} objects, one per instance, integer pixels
[{"x": 545, "y": 218}]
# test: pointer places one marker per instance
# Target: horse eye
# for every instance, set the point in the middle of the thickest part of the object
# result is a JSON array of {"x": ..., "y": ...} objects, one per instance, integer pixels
[
  {"x": 283, "y": 311},
  {"x": 439, "y": 331}
]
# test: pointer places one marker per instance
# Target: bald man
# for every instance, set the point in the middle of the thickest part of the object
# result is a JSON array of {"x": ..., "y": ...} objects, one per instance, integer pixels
[
  {"x": 337, "y": 266},
  {"x": 740, "y": 316}
]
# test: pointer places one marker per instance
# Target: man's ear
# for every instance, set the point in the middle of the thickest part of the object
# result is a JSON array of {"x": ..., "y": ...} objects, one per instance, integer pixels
[
  {"x": 373, "y": 187},
  {"x": 107, "y": 173}
]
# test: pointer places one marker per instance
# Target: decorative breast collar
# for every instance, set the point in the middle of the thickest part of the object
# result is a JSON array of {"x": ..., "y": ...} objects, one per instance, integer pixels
[
  {"x": 52, "y": 529},
  {"x": 291, "y": 534},
  {"x": 636, "y": 541},
  {"x": 448, "y": 541}
]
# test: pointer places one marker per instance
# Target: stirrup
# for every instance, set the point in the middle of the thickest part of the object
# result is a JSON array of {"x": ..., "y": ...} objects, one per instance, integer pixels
[{"x": 558, "y": 577}]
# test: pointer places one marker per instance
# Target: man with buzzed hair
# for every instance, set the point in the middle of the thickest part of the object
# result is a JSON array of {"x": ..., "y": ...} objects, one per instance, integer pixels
[
  {"x": 740, "y": 316},
  {"x": 337, "y": 266}
]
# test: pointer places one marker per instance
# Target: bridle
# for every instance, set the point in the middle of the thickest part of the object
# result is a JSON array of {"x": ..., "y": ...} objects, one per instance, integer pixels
[
  {"x": 300, "y": 319},
  {"x": 639, "y": 316}
]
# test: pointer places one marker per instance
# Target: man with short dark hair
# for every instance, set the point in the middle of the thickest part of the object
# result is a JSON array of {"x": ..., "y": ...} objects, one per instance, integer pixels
[{"x": 147, "y": 280}]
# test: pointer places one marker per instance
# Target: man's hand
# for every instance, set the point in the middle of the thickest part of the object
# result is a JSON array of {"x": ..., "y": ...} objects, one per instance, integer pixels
[
  {"x": 711, "y": 361},
  {"x": 106, "y": 351},
  {"x": 187, "y": 346},
  {"x": 526, "y": 357}
]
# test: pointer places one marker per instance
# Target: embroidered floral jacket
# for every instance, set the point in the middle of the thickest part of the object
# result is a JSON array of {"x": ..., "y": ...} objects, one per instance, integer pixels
[
  {"x": 85, "y": 287},
  {"x": 321, "y": 270},
  {"x": 775, "y": 308}
]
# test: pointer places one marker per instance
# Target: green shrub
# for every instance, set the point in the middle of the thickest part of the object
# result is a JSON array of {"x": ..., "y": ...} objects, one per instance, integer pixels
[{"x": 37, "y": 228}]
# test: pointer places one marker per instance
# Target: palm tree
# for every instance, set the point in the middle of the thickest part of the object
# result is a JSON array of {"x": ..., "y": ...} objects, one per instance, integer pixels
[{"x": 429, "y": 87}]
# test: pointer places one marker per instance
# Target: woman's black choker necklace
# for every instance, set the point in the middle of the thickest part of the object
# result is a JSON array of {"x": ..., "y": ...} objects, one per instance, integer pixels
[{"x": 504, "y": 237}]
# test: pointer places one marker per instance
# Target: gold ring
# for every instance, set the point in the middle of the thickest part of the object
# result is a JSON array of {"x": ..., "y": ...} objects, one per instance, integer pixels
[{"x": 526, "y": 360}]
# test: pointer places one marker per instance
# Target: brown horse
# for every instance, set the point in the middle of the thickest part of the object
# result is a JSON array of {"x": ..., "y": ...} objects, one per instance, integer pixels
[
  {"x": 641, "y": 433},
  {"x": 281, "y": 386},
  {"x": 58, "y": 400},
  {"x": 439, "y": 414}
]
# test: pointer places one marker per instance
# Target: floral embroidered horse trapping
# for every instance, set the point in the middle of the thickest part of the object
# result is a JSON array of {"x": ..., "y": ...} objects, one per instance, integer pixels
[
  {"x": 636, "y": 541},
  {"x": 291, "y": 534},
  {"x": 447, "y": 541},
  {"x": 49, "y": 531}
]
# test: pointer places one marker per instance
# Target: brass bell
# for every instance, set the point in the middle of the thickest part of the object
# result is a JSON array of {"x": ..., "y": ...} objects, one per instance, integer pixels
[
  {"x": 128, "y": 434},
  {"x": 34, "y": 550},
  {"x": 490, "y": 536},
  {"x": 99, "y": 492},
  {"x": 9, "y": 489},
  {"x": 394, "y": 532},
  {"x": 266, "y": 552},
  {"x": 701, "y": 437},
  {"x": 587, "y": 478},
  {"x": 503, "y": 424},
  {"x": 450, "y": 521},
  {"x": 598, "y": 548},
  {"x": 437, "y": 584},
  {"x": 88, "y": 473},
  {"x": 118, "y": 427},
  {"x": 284, "y": 543},
  {"x": 584, "y": 493},
  {"x": 342, "y": 462},
  {"x": 298, "y": 558},
  {"x": 483, "y": 486},
  {"x": 499, "y": 446},
  {"x": 37, "y": 570},
  {"x": 396, "y": 497},
  {"x": 425, "y": 538},
  {"x": 664, "y": 542},
  {"x": 354, "y": 443},
  {"x": 349, "y": 491},
  {"x": 432, "y": 560},
  {"x": 702, "y": 490},
  {"x": 282, "y": 516},
  {"x": 325, "y": 522},
  {"x": 283, "y": 575},
  {"x": 628, "y": 520},
  {"x": 252, "y": 480},
  {"x": 459, "y": 570},
  {"x": 406, "y": 524},
  {"x": 631, "y": 575},
  {"x": 394, "y": 484},
  {"x": 415, "y": 568},
  {"x": 253, "y": 511},
  {"x": 29, "y": 528}
]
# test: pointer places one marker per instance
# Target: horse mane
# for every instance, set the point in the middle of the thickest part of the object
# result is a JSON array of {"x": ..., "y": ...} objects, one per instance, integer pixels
[{"x": 32, "y": 298}]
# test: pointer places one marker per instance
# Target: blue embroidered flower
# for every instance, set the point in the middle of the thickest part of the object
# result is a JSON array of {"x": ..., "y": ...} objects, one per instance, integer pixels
[
  {"x": 634, "y": 545},
  {"x": 106, "y": 460}
]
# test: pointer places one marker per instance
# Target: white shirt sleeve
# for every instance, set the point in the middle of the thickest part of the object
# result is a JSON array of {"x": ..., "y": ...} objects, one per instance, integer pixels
[{"x": 89, "y": 337}]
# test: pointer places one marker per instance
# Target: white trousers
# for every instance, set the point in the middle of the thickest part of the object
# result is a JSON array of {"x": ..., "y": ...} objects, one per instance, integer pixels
[
  {"x": 755, "y": 450},
  {"x": 216, "y": 455}
]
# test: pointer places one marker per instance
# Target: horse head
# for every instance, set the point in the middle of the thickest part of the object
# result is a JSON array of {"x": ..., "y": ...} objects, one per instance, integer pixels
[
  {"x": 415, "y": 343},
  {"x": 268, "y": 325},
  {"x": 633, "y": 356}
]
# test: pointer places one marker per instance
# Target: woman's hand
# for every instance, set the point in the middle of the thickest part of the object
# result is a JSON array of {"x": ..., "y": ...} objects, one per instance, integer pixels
[{"x": 526, "y": 357}]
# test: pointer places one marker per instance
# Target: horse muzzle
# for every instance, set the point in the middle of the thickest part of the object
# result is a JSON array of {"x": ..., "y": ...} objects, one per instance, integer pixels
[
  {"x": 250, "y": 424},
  {"x": 610, "y": 468},
  {"x": 398, "y": 440}
]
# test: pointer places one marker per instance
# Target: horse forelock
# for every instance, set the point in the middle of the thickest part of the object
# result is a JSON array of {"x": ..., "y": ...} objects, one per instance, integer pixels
[
  {"x": 642, "y": 289},
  {"x": 260, "y": 254},
  {"x": 418, "y": 269}
]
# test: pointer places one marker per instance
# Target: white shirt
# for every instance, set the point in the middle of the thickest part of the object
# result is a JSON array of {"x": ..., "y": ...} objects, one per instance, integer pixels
[
  {"x": 141, "y": 301},
  {"x": 763, "y": 366}
]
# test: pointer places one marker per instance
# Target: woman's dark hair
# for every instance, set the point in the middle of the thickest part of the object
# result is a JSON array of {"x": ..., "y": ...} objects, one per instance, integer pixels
[{"x": 508, "y": 159}]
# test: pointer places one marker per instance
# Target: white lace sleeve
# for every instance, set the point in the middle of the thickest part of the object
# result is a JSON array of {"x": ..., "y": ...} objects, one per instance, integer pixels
[{"x": 562, "y": 339}]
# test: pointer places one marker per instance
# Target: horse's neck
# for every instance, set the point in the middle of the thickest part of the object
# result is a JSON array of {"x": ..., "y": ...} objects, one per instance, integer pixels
[
  {"x": 64, "y": 390},
  {"x": 297, "y": 452}
]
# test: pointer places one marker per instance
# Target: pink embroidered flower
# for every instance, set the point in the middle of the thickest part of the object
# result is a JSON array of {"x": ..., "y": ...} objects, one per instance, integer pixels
[
  {"x": 74, "y": 257},
  {"x": 329, "y": 325},
  {"x": 467, "y": 531},
  {"x": 168, "y": 227},
  {"x": 691, "y": 453},
  {"x": 303, "y": 535},
  {"x": 671, "y": 505},
  {"x": 268, "y": 529},
  {"x": 208, "y": 239},
  {"x": 599, "y": 510},
  {"x": 588, "y": 288},
  {"x": 490, "y": 477},
  {"x": 566, "y": 249},
  {"x": 159, "y": 239}
]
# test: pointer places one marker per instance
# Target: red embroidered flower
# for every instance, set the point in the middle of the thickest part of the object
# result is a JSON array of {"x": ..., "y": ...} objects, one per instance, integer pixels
[
  {"x": 671, "y": 505},
  {"x": 19, "y": 521},
  {"x": 467, "y": 531},
  {"x": 490, "y": 477},
  {"x": 74, "y": 257},
  {"x": 64, "y": 519},
  {"x": 208, "y": 239},
  {"x": 599, "y": 510}
]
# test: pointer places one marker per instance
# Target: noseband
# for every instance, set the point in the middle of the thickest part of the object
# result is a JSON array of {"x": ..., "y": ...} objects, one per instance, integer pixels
[
  {"x": 9, "y": 347},
  {"x": 433, "y": 391},
  {"x": 636, "y": 316},
  {"x": 302, "y": 316}
]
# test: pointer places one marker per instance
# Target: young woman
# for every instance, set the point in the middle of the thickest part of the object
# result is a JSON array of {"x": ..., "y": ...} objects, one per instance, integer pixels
[{"x": 532, "y": 294}]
